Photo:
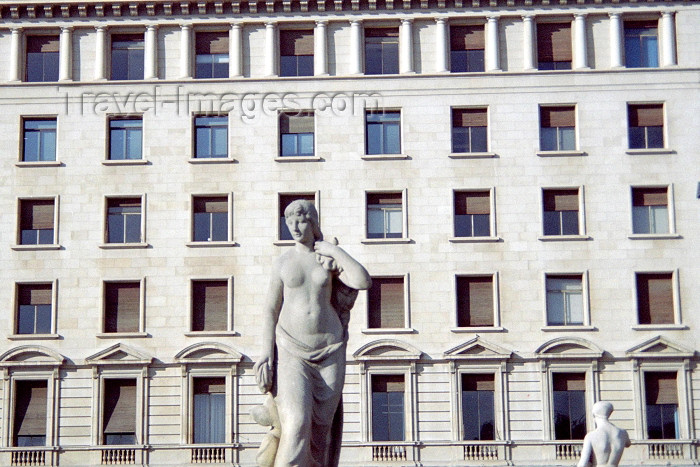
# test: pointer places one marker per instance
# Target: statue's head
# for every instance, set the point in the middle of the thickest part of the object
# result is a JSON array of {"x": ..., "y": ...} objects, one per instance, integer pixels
[
  {"x": 305, "y": 209},
  {"x": 602, "y": 409}
]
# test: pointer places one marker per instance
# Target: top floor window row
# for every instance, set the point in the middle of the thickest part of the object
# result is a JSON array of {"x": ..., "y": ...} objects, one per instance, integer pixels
[{"x": 296, "y": 49}]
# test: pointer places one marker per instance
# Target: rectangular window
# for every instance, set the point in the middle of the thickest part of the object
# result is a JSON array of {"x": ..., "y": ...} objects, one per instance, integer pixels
[
  {"x": 662, "y": 405},
  {"x": 34, "y": 311},
  {"x": 472, "y": 213},
  {"x": 211, "y": 136},
  {"x": 209, "y": 305},
  {"x": 42, "y": 59},
  {"x": 209, "y": 396},
  {"x": 564, "y": 300},
  {"x": 650, "y": 210},
  {"x": 655, "y": 298},
  {"x": 119, "y": 412},
  {"x": 124, "y": 220},
  {"x": 385, "y": 300},
  {"x": 39, "y": 136},
  {"x": 30, "y": 413},
  {"x": 558, "y": 128},
  {"x": 466, "y": 48},
  {"x": 297, "y": 52},
  {"x": 211, "y": 55},
  {"x": 569, "y": 405},
  {"x": 561, "y": 212},
  {"x": 478, "y": 410},
  {"x": 210, "y": 219},
  {"x": 646, "y": 126},
  {"x": 125, "y": 138},
  {"x": 296, "y": 134},
  {"x": 122, "y": 306},
  {"x": 469, "y": 130},
  {"x": 381, "y": 51},
  {"x": 554, "y": 46},
  {"x": 127, "y": 56},
  {"x": 384, "y": 215},
  {"x": 383, "y": 132},
  {"x": 474, "y": 301},
  {"x": 284, "y": 201},
  {"x": 388, "y": 408},
  {"x": 641, "y": 44},
  {"x": 36, "y": 221}
]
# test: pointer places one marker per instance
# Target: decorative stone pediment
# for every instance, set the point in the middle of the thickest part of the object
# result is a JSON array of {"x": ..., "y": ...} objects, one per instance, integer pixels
[
  {"x": 659, "y": 347},
  {"x": 479, "y": 349},
  {"x": 387, "y": 350},
  {"x": 31, "y": 355},
  {"x": 119, "y": 354},
  {"x": 212, "y": 352},
  {"x": 569, "y": 348}
]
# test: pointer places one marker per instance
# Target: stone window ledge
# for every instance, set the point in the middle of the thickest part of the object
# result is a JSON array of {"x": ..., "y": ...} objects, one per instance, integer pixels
[
  {"x": 641, "y": 152},
  {"x": 561, "y": 153},
  {"x": 472, "y": 155},
  {"x": 125, "y": 162},
  {"x": 39, "y": 164},
  {"x": 572, "y": 327},
  {"x": 121, "y": 335},
  {"x": 21, "y": 337},
  {"x": 298, "y": 159},
  {"x": 384, "y": 157},
  {"x": 385, "y": 241},
  {"x": 475, "y": 239},
  {"x": 123, "y": 246},
  {"x": 211, "y": 160},
  {"x": 389, "y": 331},
  {"x": 563, "y": 238},
  {"x": 52, "y": 246},
  {"x": 478, "y": 329},
  {"x": 660, "y": 327},
  {"x": 666, "y": 236},
  {"x": 210, "y": 244}
]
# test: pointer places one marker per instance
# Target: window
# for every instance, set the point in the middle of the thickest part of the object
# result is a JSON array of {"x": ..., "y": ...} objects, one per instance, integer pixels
[
  {"x": 209, "y": 405},
  {"x": 466, "y": 48},
  {"x": 124, "y": 220},
  {"x": 646, "y": 126},
  {"x": 30, "y": 412},
  {"x": 122, "y": 306},
  {"x": 478, "y": 409},
  {"x": 296, "y": 53},
  {"x": 381, "y": 51},
  {"x": 125, "y": 138},
  {"x": 383, "y": 132},
  {"x": 564, "y": 300},
  {"x": 119, "y": 412},
  {"x": 39, "y": 140},
  {"x": 650, "y": 210},
  {"x": 211, "y": 136},
  {"x": 469, "y": 130},
  {"x": 36, "y": 221},
  {"x": 554, "y": 46},
  {"x": 210, "y": 219},
  {"x": 42, "y": 59},
  {"x": 557, "y": 128},
  {"x": 210, "y": 305},
  {"x": 655, "y": 298},
  {"x": 472, "y": 213},
  {"x": 284, "y": 201},
  {"x": 569, "y": 405},
  {"x": 384, "y": 215},
  {"x": 388, "y": 408},
  {"x": 641, "y": 44},
  {"x": 296, "y": 134},
  {"x": 34, "y": 308},
  {"x": 474, "y": 301},
  {"x": 561, "y": 212},
  {"x": 211, "y": 55},
  {"x": 127, "y": 56},
  {"x": 385, "y": 301},
  {"x": 661, "y": 405}
]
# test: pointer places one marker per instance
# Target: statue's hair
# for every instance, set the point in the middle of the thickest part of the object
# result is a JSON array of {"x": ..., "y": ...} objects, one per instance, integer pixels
[
  {"x": 602, "y": 409},
  {"x": 306, "y": 209}
]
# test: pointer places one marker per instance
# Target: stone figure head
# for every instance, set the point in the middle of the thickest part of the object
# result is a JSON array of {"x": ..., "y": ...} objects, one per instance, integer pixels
[
  {"x": 306, "y": 210},
  {"x": 602, "y": 409}
]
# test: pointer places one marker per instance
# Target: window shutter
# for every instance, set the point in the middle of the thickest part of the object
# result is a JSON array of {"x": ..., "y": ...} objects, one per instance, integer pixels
[
  {"x": 648, "y": 24},
  {"x": 468, "y": 117},
  {"x": 646, "y": 115},
  {"x": 36, "y": 214},
  {"x": 554, "y": 42},
  {"x": 388, "y": 383},
  {"x": 297, "y": 123},
  {"x": 42, "y": 44},
  {"x": 209, "y": 305},
  {"x": 122, "y": 306},
  {"x": 569, "y": 382},
  {"x": 211, "y": 204},
  {"x": 119, "y": 406},
  {"x": 211, "y": 43},
  {"x": 561, "y": 200},
  {"x": 124, "y": 202},
  {"x": 472, "y": 202},
  {"x": 661, "y": 388},
  {"x": 209, "y": 385},
  {"x": 552, "y": 117},
  {"x": 136, "y": 38},
  {"x": 655, "y": 298},
  {"x": 478, "y": 382},
  {"x": 382, "y": 32},
  {"x": 475, "y": 301},
  {"x": 386, "y": 303},
  {"x": 30, "y": 408},
  {"x": 650, "y": 197},
  {"x": 467, "y": 37},
  {"x": 296, "y": 42},
  {"x": 383, "y": 198},
  {"x": 34, "y": 294}
]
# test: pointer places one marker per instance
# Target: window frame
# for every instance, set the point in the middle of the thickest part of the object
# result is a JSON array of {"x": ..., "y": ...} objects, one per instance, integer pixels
[
  {"x": 409, "y": 401},
  {"x": 670, "y": 206},
  {"x": 111, "y": 60},
  {"x": 280, "y": 212},
  {"x": 125, "y": 245},
  {"x": 53, "y": 334},
  {"x": 301, "y": 28},
  {"x": 229, "y": 227},
  {"x": 495, "y": 285},
  {"x": 493, "y": 234},
  {"x": 295, "y": 157},
  {"x": 658, "y": 30},
  {"x": 39, "y": 246},
  {"x": 552, "y": 21},
  {"x": 575, "y": 151},
  {"x": 105, "y": 372},
  {"x": 367, "y": 155},
  {"x": 665, "y": 149},
  {"x": 108, "y": 146},
  {"x": 204, "y": 30},
  {"x": 215, "y": 370},
  {"x": 25, "y": 71},
  {"x": 404, "y": 213},
  {"x": 581, "y": 235},
  {"x": 675, "y": 291},
  {"x": 585, "y": 302},
  {"x": 195, "y": 157},
  {"x": 471, "y": 153},
  {"x": 229, "y": 331},
  {"x": 55, "y": 162},
  {"x": 591, "y": 394},
  {"x": 381, "y": 42},
  {"x": 103, "y": 334},
  {"x": 406, "y": 329},
  {"x": 450, "y": 51}
]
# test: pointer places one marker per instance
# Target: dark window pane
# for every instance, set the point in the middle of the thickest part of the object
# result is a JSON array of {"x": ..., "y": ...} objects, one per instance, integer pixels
[
  {"x": 43, "y": 319},
  {"x": 305, "y": 65},
  {"x": 288, "y": 65},
  {"x": 203, "y": 136},
  {"x": 569, "y": 222},
  {"x": 654, "y": 425},
  {"x": 655, "y": 136},
  {"x": 463, "y": 225},
  {"x": 25, "y": 320},
  {"x": 219, "y": 226},
  {"x": 374, "y": 138},
  {"x": 669, "y": 421},
  {"x": 548, "y": 139},
  {"x": 470, "y": 415},
  {"x": 285, "y": 234},
  {"x": 478, "y": 139},
  {"x": 203, "y": 70},
  {"x": 552, "y": 223},
  {"x": 115, "y": 228},
  {"x": 30, "y": 441},
  {"x": 475, "y": 60},
  {"x": 373, "y": 59},
  {"x": 50, "y": 66},
  {"x": 133, "y": 228},
  {"x": 481, "y": 225},
  {"x": 458, "y": 61},
  {"x": 390, "y": 58},
  {"x": 460, "y": 139},
  {"x": 637, "y": 137},
  {"x": 562, "y": 420},
  {"x": 201, "y": 226}
]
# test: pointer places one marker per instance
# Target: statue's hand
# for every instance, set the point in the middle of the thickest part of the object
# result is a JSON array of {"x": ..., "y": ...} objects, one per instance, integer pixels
[
  {"x": 325, "y": 248},
  {"x": 263, "y": 374}
]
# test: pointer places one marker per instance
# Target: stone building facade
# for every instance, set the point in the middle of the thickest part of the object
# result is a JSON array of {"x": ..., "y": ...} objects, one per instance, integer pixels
[{"x": 519, "y": 177}]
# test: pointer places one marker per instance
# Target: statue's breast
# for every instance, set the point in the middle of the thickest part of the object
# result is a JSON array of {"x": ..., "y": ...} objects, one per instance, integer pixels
[{"x": 292, "y": 274}]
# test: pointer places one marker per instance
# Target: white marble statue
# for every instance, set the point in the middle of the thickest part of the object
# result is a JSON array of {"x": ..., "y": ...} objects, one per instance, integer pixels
[
  {"x": 302, "y": 363},
  {"x": 603, "y": 446}
]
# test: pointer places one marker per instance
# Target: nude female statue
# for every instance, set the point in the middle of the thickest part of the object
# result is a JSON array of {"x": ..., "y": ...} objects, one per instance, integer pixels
[{"x": 302, "y": 363}]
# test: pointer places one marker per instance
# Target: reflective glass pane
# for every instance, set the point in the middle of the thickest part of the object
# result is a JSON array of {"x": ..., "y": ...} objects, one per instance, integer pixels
[
  {"x": 552, "y": 223},
  {"x": 478, "y": 139},
  {"x": 569, "y": 220},
  {"x": 133, "y": 228},
  {"x": 574, "y": 304},
  {"x": 218, "y": 413},
  {"x": 45, "y": 236},
  {"x": 649, "y": 51},
  {"x": 392, "y": 139},
  {"x": 394, "y": 224},
  {"x": 375, "y": 223},
  {"x": 31, "y": 146},
  {"x": 548, "y": 139},
  {"x": 219, "y": 226},
  {"x": 220, "y": 68},
  {"x": 203, "y": 144},
  {"x": 285, "y": 234},
  {"x": 115, "y": 228},
  {"x": 43, "y": 319},
  {"x": 475, "y": 60},
  {"x": 633, "y": 49},
  {"x": 470, "y": 415},
  {"x": 134, "y": 142},
  {"x": 288, "y": 65},
  {"x": 203, "y": 70},
  {"x": 482, "y": 226},
  {"x": 373, "y": 58},
  {"x": 374, "y": 138},
  {"x": 305, "y": 65},
  {"x": 655, "y": 137},
  {"x": 654, "y": 424},
  {"x": 487, "y": 417},
  {"x": 567, "y": 139},
  {"x": 220, "y": 143},
  {"x": 463, "y": 225},
  {"x": 396, "y": 429},
  {"x": 637, "y": 137},
  {"x": 201, "y": 227},
  {"x": 390, "y": 57},
  {"x": 640, "y": 220},
  {"x": 577, "y": 410},
  {"x": 306, "y": 144},
  {"x": 555, "y": 308},
  {"x": 289, "y": 144},
  {"x": 562, "y": 419},
  {"x": 28, "y": 237},
  {"x": 460, "y": 140},
  {"x": 30, "y": 441},
  {"x": 35, "y": 67},
  {"x": 136, "y": 63},
  {"x": 658, "y": 219},
  {"x": 47, "y": 145},
  {"x": 202, "y": 416},
  {"x": 25, "y": 319},
  {"x": 120, "y": 62},
  {"x": 117, "y": 144},
  {"x": 50, "y": 66},
  {"x": 458, "y": 61}
]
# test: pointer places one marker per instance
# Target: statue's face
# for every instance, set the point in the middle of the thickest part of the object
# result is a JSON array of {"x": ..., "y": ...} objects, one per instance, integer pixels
[{"x": 300, "y": 228}]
